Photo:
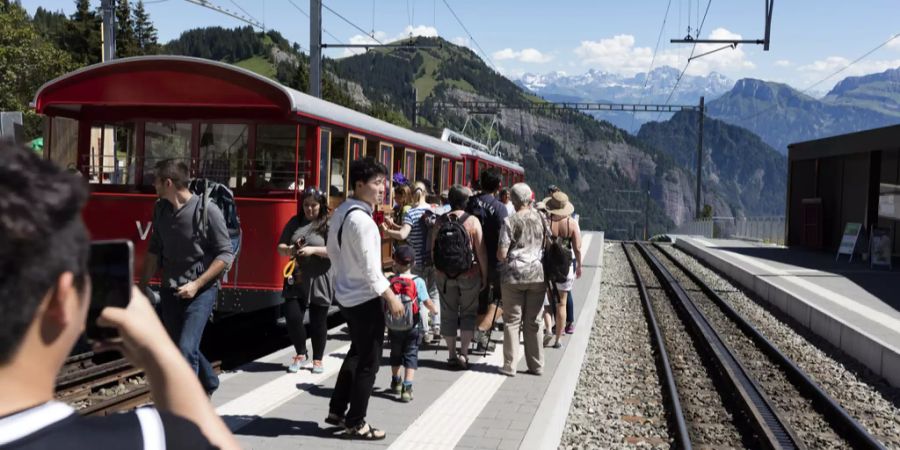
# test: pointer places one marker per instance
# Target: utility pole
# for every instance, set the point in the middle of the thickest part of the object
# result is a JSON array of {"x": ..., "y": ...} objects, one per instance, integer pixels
[
  {"x": 315, "y": 48},
  {"x": 699, "y": 158},
  {"x": 647, "y": 213},
  {"x": 108, "y": 29}
]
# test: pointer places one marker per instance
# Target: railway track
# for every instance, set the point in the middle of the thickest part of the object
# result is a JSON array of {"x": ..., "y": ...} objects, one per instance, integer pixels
[
  {"x": 768, "y": 400},
  {"x": 103, "y": 389}
]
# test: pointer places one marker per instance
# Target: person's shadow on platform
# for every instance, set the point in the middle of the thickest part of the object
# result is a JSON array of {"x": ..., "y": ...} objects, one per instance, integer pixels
[{"x": 275, "y": 427}]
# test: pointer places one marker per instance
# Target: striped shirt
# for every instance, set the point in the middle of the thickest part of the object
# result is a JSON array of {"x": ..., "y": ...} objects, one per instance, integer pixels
[{"x": 417, "y": 232}]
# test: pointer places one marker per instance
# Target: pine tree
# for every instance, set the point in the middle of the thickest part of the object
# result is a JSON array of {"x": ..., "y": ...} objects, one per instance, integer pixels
[
  {"x": 126, "y": 41},
  {"x": 82, "y": 34},
  {"x": 144, "y": 31}
]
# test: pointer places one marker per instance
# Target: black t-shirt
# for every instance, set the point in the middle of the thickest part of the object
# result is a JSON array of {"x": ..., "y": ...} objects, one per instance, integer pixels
[
  {"x": 494, "y": 213},
  {"x": 56, "y": 426}
]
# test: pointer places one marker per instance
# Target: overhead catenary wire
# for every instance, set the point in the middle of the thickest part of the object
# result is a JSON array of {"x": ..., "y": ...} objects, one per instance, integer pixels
[
  {"x": 686, "y": 64},
  {"x": 302, "y": 11},
  {"x": 243, "y": 10},
  {"x": 351, "y": 23},
  {"x": 808, "y": 88},
  {"x": 477, "y": 45},
  {"x": 652, "y": 60}
]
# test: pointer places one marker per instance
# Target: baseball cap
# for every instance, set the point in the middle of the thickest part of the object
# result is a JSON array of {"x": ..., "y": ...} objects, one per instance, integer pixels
[{"x": 404, "y": 255}]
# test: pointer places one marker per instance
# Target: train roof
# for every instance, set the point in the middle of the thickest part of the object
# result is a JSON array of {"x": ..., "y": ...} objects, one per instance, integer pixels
[{"x": 182, "y": 81}]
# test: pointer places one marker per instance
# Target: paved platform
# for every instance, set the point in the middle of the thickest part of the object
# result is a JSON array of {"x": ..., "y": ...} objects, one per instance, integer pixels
[
  {"x": 268, "y": 408},
  {"x": 852, "y": 306}
]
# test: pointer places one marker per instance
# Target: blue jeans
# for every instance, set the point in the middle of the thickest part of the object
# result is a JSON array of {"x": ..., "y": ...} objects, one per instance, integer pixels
[
  {"x": 570, "y": 310},
  {"x": 405, "y": 347},
  {"x": 185, "y": 321}
]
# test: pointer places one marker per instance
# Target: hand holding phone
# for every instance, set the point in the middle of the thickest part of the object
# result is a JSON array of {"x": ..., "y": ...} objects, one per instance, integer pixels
[{"x": 111, "y": 270}]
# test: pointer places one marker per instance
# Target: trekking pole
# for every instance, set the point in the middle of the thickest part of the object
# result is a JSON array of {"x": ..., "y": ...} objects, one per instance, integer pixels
[{"x": 493, "y": 320}]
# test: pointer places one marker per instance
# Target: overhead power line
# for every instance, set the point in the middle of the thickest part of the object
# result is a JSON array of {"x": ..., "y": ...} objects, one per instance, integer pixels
[
  {"x": 210, "y": 5},
  {"x": 364, "y": 32},
  {"x": 686, "y": 64},
  {"x": 652, "y": 59},
  {"x": 243, "y": 10},
  {"x": 302, "y": 11},
  {"x": 805, "y": 90},
  {"x": 486, "y": 57}
]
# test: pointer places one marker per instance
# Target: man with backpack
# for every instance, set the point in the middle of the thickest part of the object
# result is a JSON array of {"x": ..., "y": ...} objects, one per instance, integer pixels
[
  {"x": 193, "y": 252},
  {"x": 460, "y": 258},
  {"x": 490, "y": 213},
  {"x": 354, "y": 248}
]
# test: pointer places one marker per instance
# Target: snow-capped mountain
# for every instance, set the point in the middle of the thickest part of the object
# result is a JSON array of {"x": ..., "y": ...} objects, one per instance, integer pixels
[{"x": 600, "y": 86}]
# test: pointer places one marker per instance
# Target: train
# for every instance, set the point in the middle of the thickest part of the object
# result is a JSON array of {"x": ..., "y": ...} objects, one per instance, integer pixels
[{"x": 111, "y": 122}]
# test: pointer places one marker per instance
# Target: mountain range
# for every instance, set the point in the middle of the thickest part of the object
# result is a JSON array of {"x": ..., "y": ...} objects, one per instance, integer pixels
[{"x": 652, "y": 88}]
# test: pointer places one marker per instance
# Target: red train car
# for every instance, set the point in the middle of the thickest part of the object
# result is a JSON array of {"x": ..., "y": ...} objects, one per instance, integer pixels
[{"x": 113, "y": 121}]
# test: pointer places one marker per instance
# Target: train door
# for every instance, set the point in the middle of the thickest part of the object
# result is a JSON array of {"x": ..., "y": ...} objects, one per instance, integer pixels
[
  {"x": 337, "y": 170},
  {"x": 324, "y": 158}
]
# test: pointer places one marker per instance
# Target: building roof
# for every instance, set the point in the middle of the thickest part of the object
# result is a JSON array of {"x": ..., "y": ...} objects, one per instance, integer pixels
[{"x": 885, "y": 138}]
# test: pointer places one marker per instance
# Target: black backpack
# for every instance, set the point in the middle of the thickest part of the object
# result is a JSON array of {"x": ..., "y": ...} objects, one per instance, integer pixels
[
  {"x": 452, "y": 249},
  {"x": 557, "y": 259},
  {"x": 211, "y": 191},
  {"x": 427, "y": 220}
]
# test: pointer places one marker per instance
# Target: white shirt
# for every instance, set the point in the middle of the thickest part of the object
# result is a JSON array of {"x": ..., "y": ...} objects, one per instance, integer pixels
[
  {"x": 510, "y": 209},
  {"x": 356, "y": 261}
]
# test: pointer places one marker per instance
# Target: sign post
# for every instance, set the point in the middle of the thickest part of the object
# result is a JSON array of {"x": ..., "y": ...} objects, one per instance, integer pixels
[
  {"x": 848, "y": 242},
  {"x": 880, "y": 248}
]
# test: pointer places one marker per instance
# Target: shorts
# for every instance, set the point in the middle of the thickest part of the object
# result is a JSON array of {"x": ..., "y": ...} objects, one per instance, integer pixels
[
  {"x": 569, "y": 283},
  {"x": 405, "y": 347},
  {"x": 489, "y": 295}
]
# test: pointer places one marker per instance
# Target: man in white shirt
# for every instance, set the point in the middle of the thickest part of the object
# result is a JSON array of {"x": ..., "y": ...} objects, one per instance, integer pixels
[{"x": 354, "y": 247}]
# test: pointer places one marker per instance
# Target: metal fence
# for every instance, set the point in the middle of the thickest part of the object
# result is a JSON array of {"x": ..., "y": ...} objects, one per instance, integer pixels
[{"x": 763, "y": 229}]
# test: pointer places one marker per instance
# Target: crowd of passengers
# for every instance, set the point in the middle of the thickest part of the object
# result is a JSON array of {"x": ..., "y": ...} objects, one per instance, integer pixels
[{"x": 496, "y": 239}]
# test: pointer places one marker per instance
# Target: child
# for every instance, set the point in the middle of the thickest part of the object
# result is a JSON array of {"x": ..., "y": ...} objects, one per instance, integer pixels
[{"x": 405, "y": 344}]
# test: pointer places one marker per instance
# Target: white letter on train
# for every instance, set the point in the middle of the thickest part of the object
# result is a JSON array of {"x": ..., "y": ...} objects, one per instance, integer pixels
[{"x": 142, "y": 232}]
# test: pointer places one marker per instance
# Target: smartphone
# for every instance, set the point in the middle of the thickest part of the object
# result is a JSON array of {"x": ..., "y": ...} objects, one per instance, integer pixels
[{"x": 111, "y": 269}]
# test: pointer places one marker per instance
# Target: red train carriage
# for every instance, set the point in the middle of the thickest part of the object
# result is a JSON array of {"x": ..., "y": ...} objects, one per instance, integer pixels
[{"x": 113, "y": 121}]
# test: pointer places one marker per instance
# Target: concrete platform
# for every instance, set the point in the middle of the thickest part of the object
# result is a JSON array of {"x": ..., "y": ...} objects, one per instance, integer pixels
[
  {"x": 268, "y": 408},
  {"x": 855, "y": 308}
]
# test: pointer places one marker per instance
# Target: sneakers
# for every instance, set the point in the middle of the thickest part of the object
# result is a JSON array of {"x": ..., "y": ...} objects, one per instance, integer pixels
[
  {"x": 570, "y": 328},
  {"x": 297, "y": 363},
  {"x": 548, "y": 338},
  {"x": 397, "y": 386},
  {"x": 508, "y": 371},
  {"x": 317, "y": 369},
  {"x": 407, "y": 395}
]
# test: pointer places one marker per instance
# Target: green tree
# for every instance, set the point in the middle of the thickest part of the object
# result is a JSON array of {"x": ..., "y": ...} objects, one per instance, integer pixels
[
  {"x": 144, "y": 31},
  {"x": 82, "y": 34},
  {"x": 126, "y": 41},
  {"x": 26, "y": 62}
]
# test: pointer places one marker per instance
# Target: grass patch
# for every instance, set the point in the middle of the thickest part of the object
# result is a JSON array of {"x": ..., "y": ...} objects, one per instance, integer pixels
[{"x": 259, "y": 65}]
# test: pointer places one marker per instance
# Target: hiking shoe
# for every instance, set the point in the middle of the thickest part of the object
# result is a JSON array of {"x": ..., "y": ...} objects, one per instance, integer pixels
[
  {"x": 297, "y": 363},
  {"x": 407, "y": 394},
  {"x": 570, "y": 328},
  {"x": 397, "y": 387}
]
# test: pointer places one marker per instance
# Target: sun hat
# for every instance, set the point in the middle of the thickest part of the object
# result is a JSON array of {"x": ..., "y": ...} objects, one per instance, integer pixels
[{"x": 558, "y": 204}]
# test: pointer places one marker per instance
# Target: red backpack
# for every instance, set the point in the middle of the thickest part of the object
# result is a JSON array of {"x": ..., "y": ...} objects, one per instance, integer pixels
[{"x": 405, "y": 288}]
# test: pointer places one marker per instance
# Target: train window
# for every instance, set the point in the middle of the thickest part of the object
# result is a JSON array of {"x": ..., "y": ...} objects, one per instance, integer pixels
[
  {"x": 428, "y": 168},
  {"x": 63, "y": 143},
  {"x": 445, "y": 175},
  {"x": 337, "y": 175},
  {"x": 386, "y": 157},
  {"x": 165, "y": 140},
  {"x": 324, "y": 157},
  {"x": 481, "y": 168},
  {"x": 274, "y": 161},
  {"x": 112, "y": 154},
  {"x": 409, "y": 164},
  {"x": 223, "y": 154},
  {"x": 357, "y": 147},
  {"x": 372, "y": 149},
  {"x": 458, "y": 173},
  {"x": 470, "y": 173}
]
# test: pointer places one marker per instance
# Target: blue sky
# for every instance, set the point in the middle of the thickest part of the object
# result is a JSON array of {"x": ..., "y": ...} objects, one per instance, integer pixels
[{"x": 810, "y": 39}]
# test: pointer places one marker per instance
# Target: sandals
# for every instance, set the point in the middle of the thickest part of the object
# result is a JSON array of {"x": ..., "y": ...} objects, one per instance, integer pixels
[{"x": 363, "y": 432}]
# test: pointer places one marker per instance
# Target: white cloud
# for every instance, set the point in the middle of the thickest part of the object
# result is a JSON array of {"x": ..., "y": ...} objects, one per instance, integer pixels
[
  {"x": 619, "y": 54},
  {"x": 528, "y": 55},
  {"x": 419, "y": 30},
  {"x": 783, "y": 63},
  {"x": 461, "y": 41},
  {"x": 895, "y": 43}
]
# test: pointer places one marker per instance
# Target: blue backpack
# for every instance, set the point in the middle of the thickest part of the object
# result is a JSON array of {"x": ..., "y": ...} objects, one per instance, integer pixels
[{"x": 211, "y": 191}]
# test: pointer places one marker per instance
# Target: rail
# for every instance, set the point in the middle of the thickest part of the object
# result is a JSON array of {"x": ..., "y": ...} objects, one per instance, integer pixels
[
  {"x": 772, "y": 431},
  {"x": 676, "y": 416},
  {"x": 842, "y": 422}
]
